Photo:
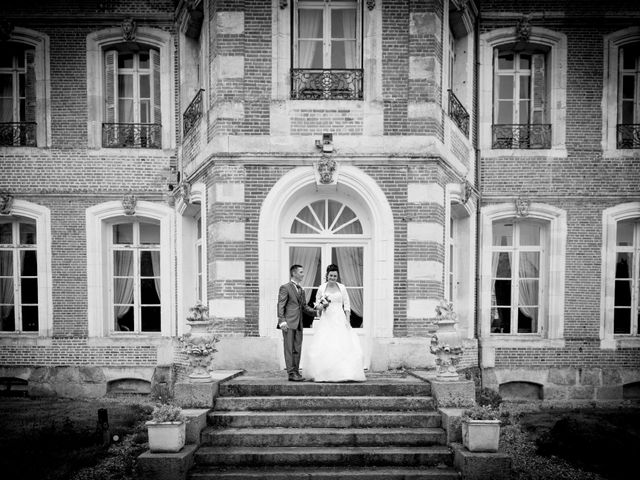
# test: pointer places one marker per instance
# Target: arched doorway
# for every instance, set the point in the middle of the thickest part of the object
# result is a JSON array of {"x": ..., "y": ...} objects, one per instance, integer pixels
[{"x": 349, "y": 224}]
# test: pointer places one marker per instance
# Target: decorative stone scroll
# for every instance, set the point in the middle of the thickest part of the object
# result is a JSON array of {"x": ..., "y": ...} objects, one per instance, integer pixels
[
  {"x": 522, "y": 207},
  {"x": 129, "y": 204},
  {"x": 523, "y": 29},
  {"x": 128, "y": 29},
  {"x": 6, "y": 204}
]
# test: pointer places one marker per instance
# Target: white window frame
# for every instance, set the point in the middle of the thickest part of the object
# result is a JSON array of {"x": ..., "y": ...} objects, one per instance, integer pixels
[
  {"x": 40, "y": 43},
  {"x": 557, "y": 74},
  {"x": 42, "y": 217},
  {"x": 552, "y": 324},
  {"x": 103, "y": 40},
  {"x": 612, "y": 44},
  {"x": 99, "y": 220},
  {"x": 610, "y": 218},
  {"x": 464, "y": 234}
]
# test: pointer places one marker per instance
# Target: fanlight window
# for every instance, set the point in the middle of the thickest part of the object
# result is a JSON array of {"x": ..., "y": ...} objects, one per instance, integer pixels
[{"x": 326, "y": 217}]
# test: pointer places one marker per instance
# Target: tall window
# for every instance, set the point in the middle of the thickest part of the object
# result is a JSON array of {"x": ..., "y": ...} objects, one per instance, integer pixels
[
  {"x": 18, "y": 275},
  {"x": 17, "y": 96},
  {"x": 626, "y": 312},
  {"x": 327, "y": 50},
  {"x": 136, "y": 277},
  {"x": 132, "y": 98},
  {"x": 520, "y": 100},
  {"x": 516, "y": 266},
  {"x": 629, "y": 96}
]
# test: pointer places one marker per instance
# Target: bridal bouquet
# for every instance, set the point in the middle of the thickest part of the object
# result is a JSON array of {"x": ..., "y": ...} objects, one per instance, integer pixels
[{"x": 323, "y": 302}]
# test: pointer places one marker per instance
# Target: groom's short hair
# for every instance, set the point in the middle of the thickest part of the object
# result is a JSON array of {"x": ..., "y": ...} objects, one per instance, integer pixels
[{"x": 293, "y": 268}]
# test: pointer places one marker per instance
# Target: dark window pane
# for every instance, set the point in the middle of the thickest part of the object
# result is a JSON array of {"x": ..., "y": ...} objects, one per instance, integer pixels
[
  {"x": 123, "y": 316},
  {"x": 6, "y": 263},
  {"x": 528, "y": 293},
  {"x": 29, "y": 264},
  {"x": 525, "y": 62},
  {"x": 150, "y": 319},
  {"x": 624, "y": 232},
  {"x": 6, "y": 290},
  {"x": 29, "y": 290},
  {"x": 622, "y": 295},
  {"x": 7, "y": 318},
  {"x": 502, "y": 292},
  {"x": 149, "y": 233},
  {"x": 123, "y": 234},
  {"x": 622, "y": 320},
  {"x": 503, "y": 234},
  {"x": 627, "y": 112},
  {"x": 502, "y": 265},
  {"x": 148, "y": 293},
  {"x": 125, "y": 60},
  {"x": 628, "y": 86},
  {"x": 624, "y": 261},
  {"x": 30, "y": 318},
  {"x": 149, "y": 263},
  {"x": 122, "y": 263},
  {"x": 530, "y": 233},
  {"x": 505, "y": 61},
  {"x": 630, "y": 54},
  {"x": 501, "y": 321},
  {"x": 144, "y": 59},
  {"x": 6, "y": 235},
  {"x": 528, "y": 320}
]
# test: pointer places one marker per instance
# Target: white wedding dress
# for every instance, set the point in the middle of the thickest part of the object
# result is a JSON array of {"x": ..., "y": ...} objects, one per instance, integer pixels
[{"x": 334, "y": 353}]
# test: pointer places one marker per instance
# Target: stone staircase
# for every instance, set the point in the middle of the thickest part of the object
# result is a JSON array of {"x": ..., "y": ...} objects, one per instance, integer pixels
[{"x": 386, "y": 428}]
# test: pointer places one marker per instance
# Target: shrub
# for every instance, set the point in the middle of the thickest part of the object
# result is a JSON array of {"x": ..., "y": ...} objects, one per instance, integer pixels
[
  {"x": 167, "y": 413},
  {"x": 481, "y": 412},
  {"x": 486, "y": 396}
]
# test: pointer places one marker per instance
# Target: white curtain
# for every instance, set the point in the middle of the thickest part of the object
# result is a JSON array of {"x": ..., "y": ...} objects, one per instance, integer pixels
[
  {"x": 528, "y": 286},
  {"x": 309, "y": 258},
  {"x": 350, "y": 265},
  {"x": 155, "y": 263},
  {"x": 310, "y": 26},
  {"x": 6, "y": 288},
  {"x": 123, "y": 288},
  {"x": 349, "y": 29}
]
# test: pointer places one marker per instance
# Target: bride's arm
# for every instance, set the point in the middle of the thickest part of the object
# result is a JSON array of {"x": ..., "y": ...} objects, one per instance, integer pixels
[{"x": 346, "y": 304}]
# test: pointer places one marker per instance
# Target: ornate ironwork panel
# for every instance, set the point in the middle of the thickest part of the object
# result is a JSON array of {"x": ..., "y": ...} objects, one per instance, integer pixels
[
  {"x": 193, "y": 113},
  {"x": 524, "y": 136},
  {"x": 131, "y": 135},
  {"x": 18, "y": 134},
  {"x": 628, "y": 135},
  {"x": 313, "y": 84},
  {"x": 458, "y": 113}
]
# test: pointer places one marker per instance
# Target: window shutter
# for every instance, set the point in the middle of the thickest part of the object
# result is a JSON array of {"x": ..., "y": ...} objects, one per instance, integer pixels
[
  {"x": 154, "y": 56},
  {"x": 30, "y": 87},
  {"x": 539, "y": 86},
  {"x": 110, "y": 85}
]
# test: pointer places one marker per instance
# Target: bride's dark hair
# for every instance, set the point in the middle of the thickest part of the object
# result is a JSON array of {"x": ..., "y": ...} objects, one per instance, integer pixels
[{"x": 332, "y": 268}]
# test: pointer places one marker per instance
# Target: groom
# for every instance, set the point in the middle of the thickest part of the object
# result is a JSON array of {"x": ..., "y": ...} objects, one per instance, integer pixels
[{"x": 292, "y": 303}]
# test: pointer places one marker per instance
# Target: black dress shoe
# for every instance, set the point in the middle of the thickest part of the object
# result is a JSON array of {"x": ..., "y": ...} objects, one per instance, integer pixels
[{"x": 296, "y": 377}]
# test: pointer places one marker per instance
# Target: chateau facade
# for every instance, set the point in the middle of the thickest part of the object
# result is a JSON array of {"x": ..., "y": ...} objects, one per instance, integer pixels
[{"x": 156, "y": 154}]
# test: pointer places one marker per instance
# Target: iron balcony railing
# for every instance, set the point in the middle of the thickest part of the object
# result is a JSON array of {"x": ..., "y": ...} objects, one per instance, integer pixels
[
  {"x": 18, "y": 134},
  {"x": 193, "y": 113},
  {"x": 333, "y": 84},
  {"x": 458, "y": 113},
  {"x": 131, "y": 135},
  {"x": 628, "y": 135},
  {"x": 523, "y": 136}
]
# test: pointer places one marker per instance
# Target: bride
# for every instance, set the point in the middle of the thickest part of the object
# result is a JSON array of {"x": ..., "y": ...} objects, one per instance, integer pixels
[{"x": 335, "y": 354}]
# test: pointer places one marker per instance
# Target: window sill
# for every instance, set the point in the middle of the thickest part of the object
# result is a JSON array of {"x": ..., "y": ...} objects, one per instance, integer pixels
[
  {"x": 129, "y": 339},
  {"x": 132, "y": 152},
  {"x": 30, "y": 338},
  {"x": 614, "y": 343},
  {"x": 326, "y": 104},
  {"x": 520, "y": 341},
  {"x": 622, "y": 153},
  {"x": 519, "y": 153},
  {"x": 18, "y": 151}
]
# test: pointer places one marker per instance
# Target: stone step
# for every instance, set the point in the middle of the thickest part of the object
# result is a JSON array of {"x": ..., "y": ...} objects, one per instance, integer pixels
[
  {"x": 324, "y": 419},
  {"x": 324, "y": 456},
  {"x": 318, "y": 437},
  {"x": 325, "y": 473},
  {"x": 395, "y": 403},
  {"x": 243, "y": 387}
]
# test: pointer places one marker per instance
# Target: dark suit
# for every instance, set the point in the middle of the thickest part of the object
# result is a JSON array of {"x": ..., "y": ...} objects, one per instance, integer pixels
[{"x": 292, "y": 303}]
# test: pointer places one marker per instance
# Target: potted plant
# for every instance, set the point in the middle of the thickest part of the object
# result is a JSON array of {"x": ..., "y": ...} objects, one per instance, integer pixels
[
  {"x": 481, "y": 429},
  {"x": 167, "y": 428}
]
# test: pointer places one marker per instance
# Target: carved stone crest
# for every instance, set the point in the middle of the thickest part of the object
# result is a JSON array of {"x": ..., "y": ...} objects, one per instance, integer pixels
[
  {"x": 6, "y": 27},
  {"x": 467, "y": 190},
  {"x": 327, "y": 167},
  {"x": 128, "y": 29},
  {"x": 523, "y": 29},
  {"x": 6, "y": 204},
  {"x": 129, "y": 204},
  {"x": 283, "y": 4},
  {"x": 371, "y": 4},
  {"x": 522, "y": 207},
  {"x": 184, "y": 192}
]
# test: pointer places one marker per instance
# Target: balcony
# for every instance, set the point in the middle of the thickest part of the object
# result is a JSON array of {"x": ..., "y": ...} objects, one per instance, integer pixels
[
  {"x": 18, "y": 134},
  {"x": 131, "y": 135},
  {"x": 192, "y": 114},
  {"x": 458, "y": 114},
  {"x": 521, "y": 136},
  {"x": 628, "y": 136},
  {"x": 314, "y": 84}
]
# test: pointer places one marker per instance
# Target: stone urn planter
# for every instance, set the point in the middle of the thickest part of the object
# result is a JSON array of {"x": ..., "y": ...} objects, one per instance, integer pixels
[
  {"x": 446, "y": 344},
  {"x": 166, "y": 429},
  {"x": 481, "y": 429},
  {"x": 199, "y": 344}
]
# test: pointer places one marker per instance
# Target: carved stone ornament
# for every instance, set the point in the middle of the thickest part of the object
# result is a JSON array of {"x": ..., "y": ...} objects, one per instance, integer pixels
[
  {"x": 6, "y": 27},
  {"x": 6, "y": 204},
  {"x": 283, "y": 4},
  {"x": 467, "y": 190},
  {"x": 128, "y": 29},
  {"x": 371, "y": 4},
  {"x": 129, "y": 204},
  {"x": 184, "y": 192},
  {"x": 523, "y": 29},
  {"x": 522, "y": 207},
  {"x": 327, "y": 167}
]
